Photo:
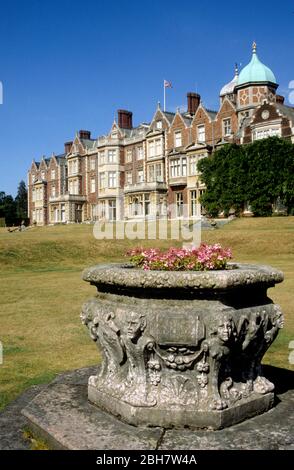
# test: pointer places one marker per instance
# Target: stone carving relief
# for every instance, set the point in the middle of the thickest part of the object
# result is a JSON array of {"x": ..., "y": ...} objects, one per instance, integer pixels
[{"x": 214, "y": 362}]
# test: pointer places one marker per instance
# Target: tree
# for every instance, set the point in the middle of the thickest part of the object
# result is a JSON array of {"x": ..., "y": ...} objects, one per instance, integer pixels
[
  {"x": 258, "y": 174},
  {"x": 21, "y": 201},
  {"x": 7, "y": 208},
  {"x": 224, "y": 174}
]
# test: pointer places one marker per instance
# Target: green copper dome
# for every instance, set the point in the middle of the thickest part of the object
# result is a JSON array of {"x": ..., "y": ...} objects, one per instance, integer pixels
[{"x": 256, "y": 71}]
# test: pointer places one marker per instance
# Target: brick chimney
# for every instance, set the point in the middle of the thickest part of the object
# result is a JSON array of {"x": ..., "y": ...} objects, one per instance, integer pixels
[
  {"x": 193, "y": 101},
  {"x": 85, "y": 135},
  {"x": 67, "y": 146},
  {"x": 125, "y": 119},
  {"x": 280, "y": 99}
]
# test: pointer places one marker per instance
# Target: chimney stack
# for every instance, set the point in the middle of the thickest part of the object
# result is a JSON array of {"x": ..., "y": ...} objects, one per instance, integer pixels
[
  {"x": 280, "y": 99},
  {"x": 85, "y": 135},
  {"x": 125, "y": 119},
  {"x": 67, "y": 147},
  {"x": 193, "y": 101}
]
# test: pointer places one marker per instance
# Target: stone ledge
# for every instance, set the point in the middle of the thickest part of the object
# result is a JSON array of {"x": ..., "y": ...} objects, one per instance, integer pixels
[
  {"x": 62, "y": 415},
  {"x": 173, "y": 417}
]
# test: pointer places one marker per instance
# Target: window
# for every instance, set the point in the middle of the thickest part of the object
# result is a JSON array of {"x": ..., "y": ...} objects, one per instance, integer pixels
[
  {"x": 74, "y": 187},
  {"x": 102, "y": 209},
  {"x": 140, "y": 176},
  {"x": 140, "y": 154},
  {"x": 93, "y": 185},
  {"x": 147, "y": 204},
  {"x": 102, "y": 157},
  {"x": 136, "y": 205},
  {"x": 201, "y": 133},
  {"x": 129, "y": 178},
  {"x": 102, "y": 180},
  {"x": 53, "y": 191},
  {"x": 159, "y": 125},
  {"x": 151, "y": 173},
  {"x": 178, "y": 138},
  {"x": 112, "y": 179},
  {"x": 175, "y": 168},
  {"x": 112, "y": 210},
  {"x": 194, "y": 159},
  {"x": 53, "y": 174},
  {"x": 151, "y": 148},
  {"x": 62, "y": 212},
  {"x": 111, "y": 156},
  {"x": 184, "y": 166},
  {"x": 227, "y": 127},
  {"x": 92, "y": 164},
  {"x": 193, "y": 199},
  {"x": 155, "y": 148},
  {"x": 114, "y": 135},
  {"x": 180, "y": 204},
  {"x": 43, "y": 175},
  {"x": 129, "y": 156},
  {"x": 158, "y": 172},
  {"x": 158, "y": 147},
  {"x": 73, "y": 167},
  {"x": 264, "y": 133}
]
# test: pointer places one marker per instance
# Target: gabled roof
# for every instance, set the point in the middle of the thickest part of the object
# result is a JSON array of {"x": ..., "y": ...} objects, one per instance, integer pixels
[
  {"x": 211, "y": 114},
  {"x": 187, "y": 119},
  {"x": 169, "y": 116},
  {"x": 88, "y": 143},
  {"x": 287, "y": 111}
]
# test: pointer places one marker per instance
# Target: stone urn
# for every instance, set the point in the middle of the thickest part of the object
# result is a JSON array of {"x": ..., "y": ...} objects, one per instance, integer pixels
[{"x": 182, "y": 349}]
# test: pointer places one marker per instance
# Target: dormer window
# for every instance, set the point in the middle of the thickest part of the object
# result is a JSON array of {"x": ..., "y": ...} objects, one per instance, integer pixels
[
  {"x": 159, "y": 125},
  {"x": 114, "y": 135},
  {"x": 178, "y": 139},
  {"x": 201, "y": 134}
]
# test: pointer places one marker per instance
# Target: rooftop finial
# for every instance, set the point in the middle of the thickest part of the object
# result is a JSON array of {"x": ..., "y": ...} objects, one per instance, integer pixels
[
  {"x": 158, "y": 105},
  {"x": 236, "y": 70},
  {"x": 254, "y": 47}
]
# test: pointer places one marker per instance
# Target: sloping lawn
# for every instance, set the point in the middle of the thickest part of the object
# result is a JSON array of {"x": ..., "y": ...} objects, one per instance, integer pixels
[{"x": 42, "y": 292}]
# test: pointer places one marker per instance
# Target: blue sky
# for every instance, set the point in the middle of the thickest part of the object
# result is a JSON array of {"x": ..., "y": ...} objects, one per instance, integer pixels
[{"x": 69, "y": 64}]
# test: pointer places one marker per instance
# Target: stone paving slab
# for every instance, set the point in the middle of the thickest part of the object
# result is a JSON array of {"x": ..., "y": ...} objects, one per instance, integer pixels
[
  {"x": 61, "y": 414},
  {"x": 12, "y": 422}
]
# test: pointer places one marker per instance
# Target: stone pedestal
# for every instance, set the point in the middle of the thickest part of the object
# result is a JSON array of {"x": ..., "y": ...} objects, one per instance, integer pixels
[{"x": 182, "y": 349}]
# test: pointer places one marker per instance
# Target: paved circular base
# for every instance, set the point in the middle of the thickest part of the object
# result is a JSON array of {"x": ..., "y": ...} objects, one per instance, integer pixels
[{"x": 62, "y": 415}]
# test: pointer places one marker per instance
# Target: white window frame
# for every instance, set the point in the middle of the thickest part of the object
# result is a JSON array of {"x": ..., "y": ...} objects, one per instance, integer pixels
[
  {"x": 178, "y": 138},
  {"x": 112, "y": 179},
  {"x": 201, "y": 137},
  {"x": 227, "y": 127},
  {"x": 93, "y": 185},
  {"x": 111, "y": 156}
]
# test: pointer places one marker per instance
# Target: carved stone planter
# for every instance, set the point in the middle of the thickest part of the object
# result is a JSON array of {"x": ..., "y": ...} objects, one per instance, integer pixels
[{"x": 182, "y": 349}]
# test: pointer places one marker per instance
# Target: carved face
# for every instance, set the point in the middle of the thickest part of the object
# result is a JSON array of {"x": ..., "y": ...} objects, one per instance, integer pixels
[
  {"x": 224, "y": 329},
  {"x": 135, "y": 324}
]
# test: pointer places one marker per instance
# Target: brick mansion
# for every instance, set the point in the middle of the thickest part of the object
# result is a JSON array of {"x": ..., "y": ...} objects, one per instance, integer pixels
[{"x": 135, "y": 172}]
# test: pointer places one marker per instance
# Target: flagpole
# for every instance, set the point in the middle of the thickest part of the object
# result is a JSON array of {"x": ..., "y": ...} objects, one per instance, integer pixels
[{"x": 164, "y": 95}]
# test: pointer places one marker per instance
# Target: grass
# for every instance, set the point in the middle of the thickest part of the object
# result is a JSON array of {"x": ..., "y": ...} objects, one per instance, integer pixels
[{"x": 42, "y": 293}]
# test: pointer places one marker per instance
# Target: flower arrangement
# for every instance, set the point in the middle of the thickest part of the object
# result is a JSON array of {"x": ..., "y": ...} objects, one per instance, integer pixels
[{"x": 204, "y": 258}]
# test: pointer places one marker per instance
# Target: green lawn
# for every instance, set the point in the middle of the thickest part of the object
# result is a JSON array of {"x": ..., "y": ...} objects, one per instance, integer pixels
[{"x": 42, "y": 293}]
